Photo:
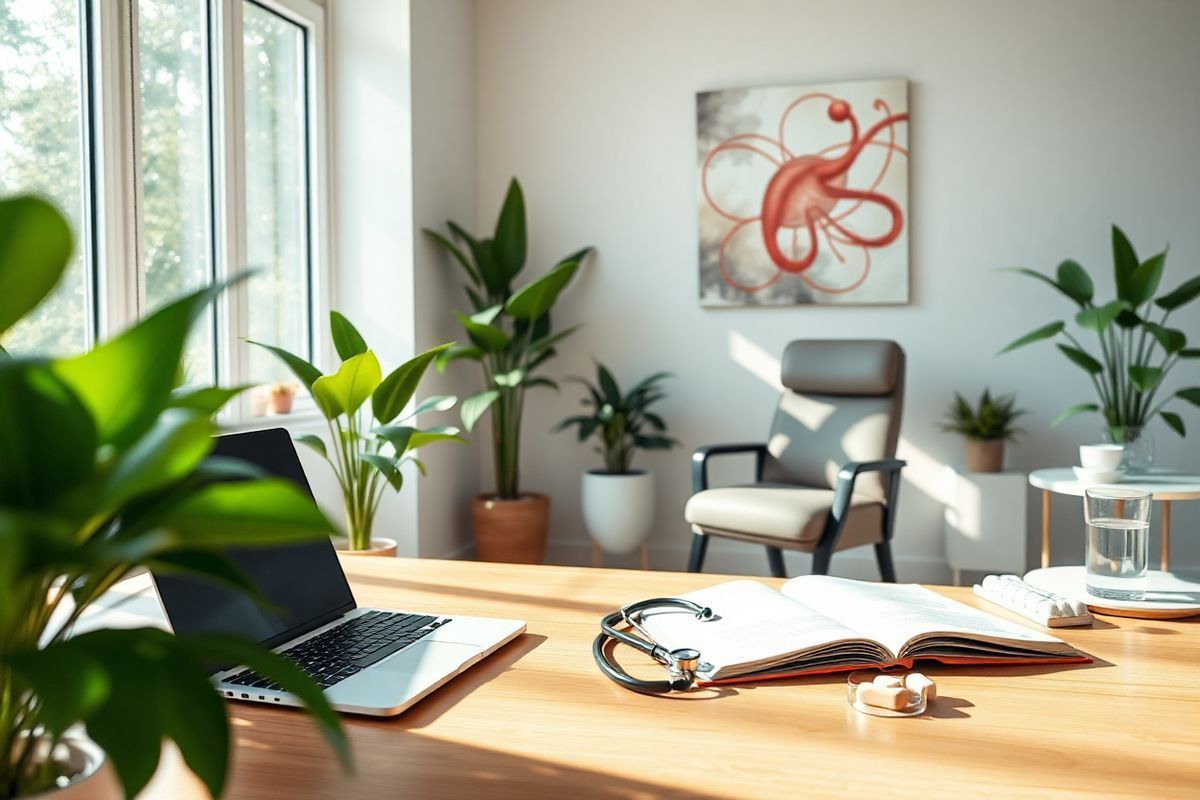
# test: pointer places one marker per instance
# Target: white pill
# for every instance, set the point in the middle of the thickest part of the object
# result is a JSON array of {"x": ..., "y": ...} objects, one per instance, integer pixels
[
  {"x": 917, "y": 683},
  {"x": 893, "y": 697},
  {"x": 887, "y": 681}
]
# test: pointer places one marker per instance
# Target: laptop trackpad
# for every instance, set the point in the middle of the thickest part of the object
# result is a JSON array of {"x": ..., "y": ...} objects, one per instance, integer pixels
[{"x": 440, "y": 657}]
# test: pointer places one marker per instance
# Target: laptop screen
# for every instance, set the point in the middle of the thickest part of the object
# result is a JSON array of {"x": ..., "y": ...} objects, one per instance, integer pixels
[{"x": 303, "y": 583}]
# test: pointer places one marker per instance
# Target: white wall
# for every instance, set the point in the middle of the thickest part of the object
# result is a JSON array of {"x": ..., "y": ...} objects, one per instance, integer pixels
[{"x": 1034, "y": 125}]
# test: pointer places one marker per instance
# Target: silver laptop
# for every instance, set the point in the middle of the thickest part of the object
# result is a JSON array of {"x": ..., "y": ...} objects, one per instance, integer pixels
[{"x": 367, "y": 660}]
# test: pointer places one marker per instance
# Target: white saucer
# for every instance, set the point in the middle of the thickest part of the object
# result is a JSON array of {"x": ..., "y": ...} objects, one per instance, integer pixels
[
  {"x": 1168, "y": 596},
  {"x": 1090, "y": 476}
]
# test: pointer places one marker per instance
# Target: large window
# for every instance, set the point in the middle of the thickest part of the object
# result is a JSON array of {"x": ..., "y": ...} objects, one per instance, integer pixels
[{"x": 180, "y": 137}]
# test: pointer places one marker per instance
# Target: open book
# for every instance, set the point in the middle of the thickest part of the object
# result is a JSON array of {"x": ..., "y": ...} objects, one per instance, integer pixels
[{"x": 823, "y": 624}]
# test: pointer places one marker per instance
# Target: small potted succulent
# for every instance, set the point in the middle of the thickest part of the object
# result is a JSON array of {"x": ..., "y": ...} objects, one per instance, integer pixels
[
  {"x": 280, "y": 397},
  {"x": 618, "y": 501},
  {"x": 986, "y": 428},
  {"x": 367, "y": 459}
]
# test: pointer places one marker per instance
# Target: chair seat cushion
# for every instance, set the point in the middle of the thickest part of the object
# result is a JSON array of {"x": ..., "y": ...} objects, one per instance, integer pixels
[{"x": 791, "y": 516}]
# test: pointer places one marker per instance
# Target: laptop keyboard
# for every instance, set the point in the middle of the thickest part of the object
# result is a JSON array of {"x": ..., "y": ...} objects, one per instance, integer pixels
[{"x": 349, "y": 648}]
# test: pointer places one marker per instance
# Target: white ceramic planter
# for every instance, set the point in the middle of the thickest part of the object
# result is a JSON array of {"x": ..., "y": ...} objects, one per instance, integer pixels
[
  {"x": 95, "y": 779},
  {"x": 618, "y": 510}
]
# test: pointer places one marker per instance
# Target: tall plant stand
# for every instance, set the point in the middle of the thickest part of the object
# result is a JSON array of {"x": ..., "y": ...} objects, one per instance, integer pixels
[{"x": 1164, "y": 486}]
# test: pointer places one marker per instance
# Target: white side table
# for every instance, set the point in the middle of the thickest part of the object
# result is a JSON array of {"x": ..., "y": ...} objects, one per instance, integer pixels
[
  {"x": 985, "y": 522},
  {"x": 1163, "y": 485}
]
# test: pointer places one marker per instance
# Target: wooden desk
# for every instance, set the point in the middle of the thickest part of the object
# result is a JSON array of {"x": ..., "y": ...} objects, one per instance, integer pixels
[{"x": 538, "y": 720}]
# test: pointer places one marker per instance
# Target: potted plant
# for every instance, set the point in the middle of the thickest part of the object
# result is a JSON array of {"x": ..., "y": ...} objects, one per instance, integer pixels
[
  {"x": 105, "y": 470},
  {"x": 366, "y": 459},
  {"x": 511, "y": 337},
  {"x": 1134, "y": 353},
  {"x": 986, "y": 428},
  {"x": 281, "y": 396},
  {"x": 618, "y": 501}
]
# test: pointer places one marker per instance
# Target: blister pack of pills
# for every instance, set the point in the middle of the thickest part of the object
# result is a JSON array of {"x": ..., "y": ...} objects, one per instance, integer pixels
[{"x": 1045, "y": 608}]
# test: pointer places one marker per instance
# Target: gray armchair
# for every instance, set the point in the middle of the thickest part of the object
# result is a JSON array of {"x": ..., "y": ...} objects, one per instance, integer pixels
[{"x": 827, "y": 479}]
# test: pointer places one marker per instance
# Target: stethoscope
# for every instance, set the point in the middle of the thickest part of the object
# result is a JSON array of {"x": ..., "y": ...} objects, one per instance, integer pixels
[{"x": 682, "y": 663}]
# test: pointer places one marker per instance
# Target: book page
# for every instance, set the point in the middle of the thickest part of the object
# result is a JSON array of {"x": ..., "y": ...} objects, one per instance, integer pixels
[
  {"x": 897, "y": 614},
  {"x": 753, "y": 626}
]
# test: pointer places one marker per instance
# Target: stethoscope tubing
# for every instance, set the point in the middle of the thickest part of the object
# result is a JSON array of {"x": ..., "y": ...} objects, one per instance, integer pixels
[{"x": 609, "y": 631}]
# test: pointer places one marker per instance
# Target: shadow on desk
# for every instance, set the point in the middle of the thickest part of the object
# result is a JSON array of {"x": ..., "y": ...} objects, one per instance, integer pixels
[{"x": 429, "y": 590}]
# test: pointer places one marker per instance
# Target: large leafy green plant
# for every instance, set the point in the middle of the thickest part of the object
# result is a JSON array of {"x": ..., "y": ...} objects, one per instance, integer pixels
[
  {"x": 510, "y": 331},
  {"x": 367, "y": 460},
  {"x": 622, "y": 422},
  {"x": 105, "y": 469},
  {"x": 1135, "y": 352}
]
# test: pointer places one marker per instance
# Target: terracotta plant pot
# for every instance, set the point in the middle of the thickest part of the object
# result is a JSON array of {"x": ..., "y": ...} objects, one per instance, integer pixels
[
  {"x": 379, "y": 547},
  {"x": 511, "y": 531},
  {"x": 281, "y": 403},
  {"x": 985, "y": 455}
]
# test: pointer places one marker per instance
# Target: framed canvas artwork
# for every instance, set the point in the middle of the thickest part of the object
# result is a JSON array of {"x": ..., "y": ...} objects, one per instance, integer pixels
[{"x": 804, "y": 194}]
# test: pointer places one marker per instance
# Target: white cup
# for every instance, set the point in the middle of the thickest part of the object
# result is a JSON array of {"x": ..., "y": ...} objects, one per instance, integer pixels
[{"x": 1101, "y": 456}]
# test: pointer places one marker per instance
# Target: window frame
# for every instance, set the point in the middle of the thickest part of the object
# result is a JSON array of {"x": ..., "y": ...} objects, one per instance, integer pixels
[{"x": 112, "y": 97}]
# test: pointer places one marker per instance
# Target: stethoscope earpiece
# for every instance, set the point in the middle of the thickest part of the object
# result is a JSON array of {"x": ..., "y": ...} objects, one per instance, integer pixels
[{"x": 681, "y": 663}]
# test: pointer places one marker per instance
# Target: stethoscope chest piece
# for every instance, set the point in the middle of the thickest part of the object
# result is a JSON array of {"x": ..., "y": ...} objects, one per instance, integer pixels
[{"x": 682, "y": 664}]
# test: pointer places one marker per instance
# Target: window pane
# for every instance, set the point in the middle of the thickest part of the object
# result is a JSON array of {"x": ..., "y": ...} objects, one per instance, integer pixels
[
  {"x": 41, "y": 150},
  {"x": 176, "y": 219},
  {"x": 276, "y": 187}
]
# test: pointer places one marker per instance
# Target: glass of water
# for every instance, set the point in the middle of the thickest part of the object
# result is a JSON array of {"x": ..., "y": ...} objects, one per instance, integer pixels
[{"x": 1118, "y": 541}]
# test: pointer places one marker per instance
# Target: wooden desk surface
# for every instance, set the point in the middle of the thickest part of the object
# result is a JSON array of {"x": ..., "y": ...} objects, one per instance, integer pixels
[{"x": 537, "y": 719}]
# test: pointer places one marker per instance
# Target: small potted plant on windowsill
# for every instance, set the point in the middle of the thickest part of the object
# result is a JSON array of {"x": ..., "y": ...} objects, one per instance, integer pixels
[
  {"x": 618, "y": 501},
  {"x": 985, "y": 428},
  {"x": 367, "y": 460},
  {"x": 281, "y": 396}
]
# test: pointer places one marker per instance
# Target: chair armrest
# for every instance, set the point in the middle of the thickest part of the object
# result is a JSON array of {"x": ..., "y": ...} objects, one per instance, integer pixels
[
  {"x": 848, "y": 475},
  {"x": 703, "y": 454},
  {"x": 851, "y": 471}
]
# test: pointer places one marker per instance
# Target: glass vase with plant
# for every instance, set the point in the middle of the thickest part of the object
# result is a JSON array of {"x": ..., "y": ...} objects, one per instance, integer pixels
[
  {"x": 986, "y": 427},
  {"x": 512, "y": 338},
  {"x": 618, "y": 501},
  {"x": 106, "y": 470},
  {"x": 1134, "y": 353},
  {"x": 370, "y": 444}
]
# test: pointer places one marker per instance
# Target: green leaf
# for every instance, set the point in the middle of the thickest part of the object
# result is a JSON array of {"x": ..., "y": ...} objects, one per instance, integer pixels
[
  {"x": 453, "y": 250},
  {"x": 475, "y": 406},
  {"x": 537, "y": 297},
  {"x": 209, "y": 400},
  {"x": 385, "y": 466},
  {"x": 1144, "y": 281},
  {"x": 547, "y": 342},
  {"x": 1044, "y": 332},
  {"x": 441, "y": 433},
  {"x": 166, "y": 454},
  {"x": 398, "y": 388},
  {"x": 71, "y": 685},
  {"x": 346, "y": 339},
  {"x": 456, "y": 352},
  {"x": 509, "y": 240},
  {"x": 435, "y": 403},
  {"x": 654, "y": 442},
  {"x": 345, "y": 391},
  {"x": 608, "y": 385},
  {"x": 1174, "y": 421},
  {"x": 1190, "y": 352},
  {"x": 1128, "y": 318},
  {"x": 510, "y": 379},
  {"x": 419, "y": 464},
  {"x": 47, "y": 438},
  {"x": 1125, "y": 261},
  {"x": 313, "y": 441},
  {"x": 485, "y": 262},
  {"x": 397, "y": 435},
  {"x": 127, "y": 381},
  {"x": 1190, "y": 394},
  {"x": 1071, "y": 411},
  {"x": 547, "y": 382},
  {"x": 1171, "y": 339},
  {"x": 35, "y": 249},
  {"x": 1074, "y": 281},
  {"x": 1144, "y": 378},
  {"x": 1082, "y": 359},
  {"x": 194, "y": 717},
  {"x": 206, "y": 565},
  {"x": 1046, "y": 279},
  {"x": 1099, "y": 318},
  {"x": 249, "y": 513},
  {"x": 306, "y": 372},
  {"x": 1185, "y": 293},
  {"x": 485, "y": 336}
]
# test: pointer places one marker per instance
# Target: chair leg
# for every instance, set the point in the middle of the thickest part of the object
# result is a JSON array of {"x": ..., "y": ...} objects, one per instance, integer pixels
[
  {"x": 883, "y": 554},
  {"x": 775, "y": 559},
  {"x": 821, "y": 556},
  {"x": 699, "y": 548}
]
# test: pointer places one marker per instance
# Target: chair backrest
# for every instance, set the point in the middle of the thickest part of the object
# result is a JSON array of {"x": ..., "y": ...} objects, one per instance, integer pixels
[{"x": 842, "y": 401}]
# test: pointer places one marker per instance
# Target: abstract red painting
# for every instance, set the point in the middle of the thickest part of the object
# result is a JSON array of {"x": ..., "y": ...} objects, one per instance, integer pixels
[{"x": 804, "y": 194}]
